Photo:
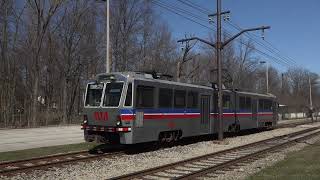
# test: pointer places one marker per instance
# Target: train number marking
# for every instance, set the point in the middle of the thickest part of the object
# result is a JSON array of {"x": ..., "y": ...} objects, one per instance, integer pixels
[{"x": 101, "y": 116}]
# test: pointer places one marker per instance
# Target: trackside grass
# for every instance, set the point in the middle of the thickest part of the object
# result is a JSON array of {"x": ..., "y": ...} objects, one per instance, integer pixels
[
  {"x": 44, "y": 151},
  {"x": 304, "y": 164}
]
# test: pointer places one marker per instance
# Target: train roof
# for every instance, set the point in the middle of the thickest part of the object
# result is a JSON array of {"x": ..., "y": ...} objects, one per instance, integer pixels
[
  {"x": 269, "y": 95},
  {"x": 149, "y": 77}
]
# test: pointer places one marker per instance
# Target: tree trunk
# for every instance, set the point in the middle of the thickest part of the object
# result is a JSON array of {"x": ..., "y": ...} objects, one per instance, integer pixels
[
  {"x": 34, "y": 108},
  {"x": 64, "y": 101}
]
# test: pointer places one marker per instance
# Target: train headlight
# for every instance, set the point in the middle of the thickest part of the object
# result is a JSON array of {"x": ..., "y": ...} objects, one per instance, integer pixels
[{"x": 118, "y": 123}]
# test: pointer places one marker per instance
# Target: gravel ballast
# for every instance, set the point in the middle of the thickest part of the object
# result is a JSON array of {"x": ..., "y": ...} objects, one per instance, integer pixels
[
  {"x": 106, "y": 168},
  {"x": 254, "y": 167}
]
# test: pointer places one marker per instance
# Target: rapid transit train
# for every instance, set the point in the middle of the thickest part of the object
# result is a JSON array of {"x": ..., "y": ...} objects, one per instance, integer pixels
[{"x": 133, "y": 107}]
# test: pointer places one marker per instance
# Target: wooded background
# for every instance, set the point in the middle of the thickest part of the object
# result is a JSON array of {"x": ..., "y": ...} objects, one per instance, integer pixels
[{"x": 50, "y": 48}]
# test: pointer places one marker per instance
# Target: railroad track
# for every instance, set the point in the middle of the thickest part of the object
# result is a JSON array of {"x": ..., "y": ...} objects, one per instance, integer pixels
[
  {"x": 12, "y": 167},
  {"x": 288, "y": 125},
  {"x": 210, "y": 165}
]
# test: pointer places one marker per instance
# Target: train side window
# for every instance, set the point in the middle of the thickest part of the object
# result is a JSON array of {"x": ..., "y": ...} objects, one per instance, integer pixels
[
  {"x": 145, "y": 97},
  {"x": 165, "y": 98},
  {"x": 128, "y": 101},
  {"x": 192, "y": 101},
  {"x": 179, "y": 99},
  {"x": 248, "y": 103},
  {"x": 226, "y": 101},
  {"x": 267, "y": 105},
  {"x": 261, "y": 104},
  {"x": 242, "y": 103}
]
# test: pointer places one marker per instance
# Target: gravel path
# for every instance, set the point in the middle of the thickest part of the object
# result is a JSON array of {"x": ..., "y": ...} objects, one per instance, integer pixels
[
  {"x": 106, "y": 168},
  {"x": 19, "y": 139}
]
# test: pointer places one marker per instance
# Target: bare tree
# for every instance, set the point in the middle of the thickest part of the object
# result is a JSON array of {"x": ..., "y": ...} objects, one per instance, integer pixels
[{"x": 41, "y": 14}]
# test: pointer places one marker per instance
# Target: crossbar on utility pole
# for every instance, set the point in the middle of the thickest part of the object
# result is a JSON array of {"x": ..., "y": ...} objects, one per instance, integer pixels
[
  {"x": 243, "y": 31},
  {"x": 221, "y": 13},
  {"x": 196, "y": 38}
]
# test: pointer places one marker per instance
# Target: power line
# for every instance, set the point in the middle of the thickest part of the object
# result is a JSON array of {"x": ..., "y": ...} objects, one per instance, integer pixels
[
  {"x": 269, "y": 43},
  {"x": 180, "y": 10},
  {"x": 272, "y": 49},
  {"x": 190, "y": 4},
  {"x": 179, "y": 14},
  {"x": 172, "y": 9}
]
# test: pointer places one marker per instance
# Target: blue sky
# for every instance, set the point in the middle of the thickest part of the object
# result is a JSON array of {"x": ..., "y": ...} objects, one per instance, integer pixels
[{"x": 295, "y": 25}]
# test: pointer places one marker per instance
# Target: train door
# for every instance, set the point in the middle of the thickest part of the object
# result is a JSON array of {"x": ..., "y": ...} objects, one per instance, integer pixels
[
  {"x": 255, "y": 111},
  {"x": 205, "y": 113}
]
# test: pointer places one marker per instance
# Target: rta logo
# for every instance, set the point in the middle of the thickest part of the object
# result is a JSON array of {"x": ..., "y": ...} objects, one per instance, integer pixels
[{"x": 101, "y": 116}]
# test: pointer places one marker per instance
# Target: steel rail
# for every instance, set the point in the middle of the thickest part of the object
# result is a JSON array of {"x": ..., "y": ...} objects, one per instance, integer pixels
[
  {"x": 151, "y": 171},
  {"x": 254, "y": 155},
  {"x": 11, "y": 167}
]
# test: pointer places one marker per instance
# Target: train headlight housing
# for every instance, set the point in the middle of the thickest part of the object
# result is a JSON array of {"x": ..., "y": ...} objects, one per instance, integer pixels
[
  {"x": 85, "y": 122},
  {"x": 85, "y": 119},
  {"x": 118, "y": 123}
]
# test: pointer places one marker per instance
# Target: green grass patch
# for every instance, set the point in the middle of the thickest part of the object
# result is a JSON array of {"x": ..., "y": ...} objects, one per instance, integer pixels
[
  {"x": 44, "y": 151},
  {"x": 304, "y": 164}
]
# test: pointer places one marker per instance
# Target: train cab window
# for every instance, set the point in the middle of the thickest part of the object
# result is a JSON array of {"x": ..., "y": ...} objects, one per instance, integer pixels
[
  {"x": 94, "y": 94},
  {"x": 179, "y": 99},
  {"x": 112, "y": 94},
  {"x": 226, "y": 101},
  {"x": 192, "y": 101},
  {"x": 145, "y": 97},
  {"x": 128, "y": 101},
  {"x": 165, "y": 98}
]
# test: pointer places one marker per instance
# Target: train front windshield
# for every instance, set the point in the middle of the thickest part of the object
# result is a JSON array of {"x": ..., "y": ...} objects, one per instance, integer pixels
[
  {"x": 94, "y": 94},
  {"x": 112, "y": 94}
]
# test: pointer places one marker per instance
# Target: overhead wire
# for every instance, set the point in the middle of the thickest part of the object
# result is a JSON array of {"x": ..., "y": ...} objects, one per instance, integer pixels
[
  {"x": 182, "y": 11},
  {"x": 271, "y": 47},
  {"x": 179, "y": 14},
  {"x": 190, "y": 4},
  {"x": 288, "y": 61}
]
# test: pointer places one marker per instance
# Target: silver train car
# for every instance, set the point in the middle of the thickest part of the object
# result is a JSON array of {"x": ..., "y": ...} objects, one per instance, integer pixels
[{"x": 131, "y": 107}]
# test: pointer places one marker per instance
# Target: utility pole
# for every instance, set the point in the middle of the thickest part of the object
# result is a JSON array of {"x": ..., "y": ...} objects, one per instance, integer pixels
[
  {"x": 178, "y": 71},
  {"x": 219, "y": 63},
  {"x": 282, "y": 76},
  {"x": 310, "y": 99},
  {"x": 267, "y": 75},
  {"x": 310, "y": 93},
  {"x": 219, "y": 47},
  {"x": 108, "y": 64}
]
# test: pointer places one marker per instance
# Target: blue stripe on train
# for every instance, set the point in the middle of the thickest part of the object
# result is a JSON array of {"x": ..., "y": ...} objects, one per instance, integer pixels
[{"x": 169, "y": 110}]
